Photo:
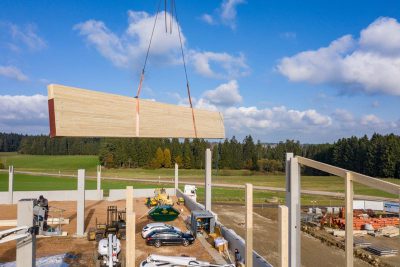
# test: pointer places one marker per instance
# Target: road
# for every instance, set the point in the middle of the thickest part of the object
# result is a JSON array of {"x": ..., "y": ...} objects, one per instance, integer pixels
[{"x": 221, "y": 185}]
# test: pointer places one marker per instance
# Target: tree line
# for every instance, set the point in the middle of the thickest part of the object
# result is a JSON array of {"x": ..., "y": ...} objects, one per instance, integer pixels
[{"x": 378, "y": 156}]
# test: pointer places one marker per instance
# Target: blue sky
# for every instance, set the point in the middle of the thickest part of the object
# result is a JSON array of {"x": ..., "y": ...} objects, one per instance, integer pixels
[{"x": 313, "y": 71}]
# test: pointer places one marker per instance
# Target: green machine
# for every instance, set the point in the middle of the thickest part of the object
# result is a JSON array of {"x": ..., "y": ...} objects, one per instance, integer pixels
[{"x": 163, "y": 213}]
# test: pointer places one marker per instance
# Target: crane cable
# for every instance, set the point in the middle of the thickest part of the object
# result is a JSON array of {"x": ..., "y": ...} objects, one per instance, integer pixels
[
  {"x": 173, "y": 13},
  {"x": 184, "y": 67}
]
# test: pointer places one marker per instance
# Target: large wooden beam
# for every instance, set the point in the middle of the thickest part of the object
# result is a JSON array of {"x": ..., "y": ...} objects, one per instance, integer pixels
[{"x": 78, "y": 112}]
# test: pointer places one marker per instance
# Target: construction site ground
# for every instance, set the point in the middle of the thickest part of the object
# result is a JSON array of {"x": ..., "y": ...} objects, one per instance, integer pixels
[
  {"x": 86, "y": 250},
  {"x": 313, "y": 251}
]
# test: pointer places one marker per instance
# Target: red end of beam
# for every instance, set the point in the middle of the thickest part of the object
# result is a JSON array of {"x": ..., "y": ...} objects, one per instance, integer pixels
[{"x": 52, "y": 118}]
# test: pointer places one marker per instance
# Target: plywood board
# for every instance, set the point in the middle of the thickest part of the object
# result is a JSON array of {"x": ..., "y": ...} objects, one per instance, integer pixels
[{"x": 78, "y": 112}]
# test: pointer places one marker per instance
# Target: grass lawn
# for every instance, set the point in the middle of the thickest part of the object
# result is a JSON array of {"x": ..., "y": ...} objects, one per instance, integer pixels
[
  {"x": 70, "y": 164},
  {"x": 24, "y": 182},
  {"x": 49, "y": 163}
]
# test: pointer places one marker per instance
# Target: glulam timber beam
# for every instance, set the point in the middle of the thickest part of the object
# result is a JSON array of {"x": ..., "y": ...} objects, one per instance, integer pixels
[{"x": 75, "y": 112}]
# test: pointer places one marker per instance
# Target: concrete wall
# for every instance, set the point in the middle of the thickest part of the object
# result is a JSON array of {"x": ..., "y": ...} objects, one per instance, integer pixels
[
  {"x": 189, "y": 203},
  {"x": 56, "y": 195},
  {"x": 119, "y": 194},
  {"x": 235, "y": 241}
]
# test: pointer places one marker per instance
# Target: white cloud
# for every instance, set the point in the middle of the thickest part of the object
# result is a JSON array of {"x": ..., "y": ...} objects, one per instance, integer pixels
[
  {"x": 24, "y": 114},
  {"x": 12, "y": 73},
  {"x": 28, "y": 36},
  {"x": 207, "y": 18},
  {"x": 370, "y": 64},
  {"x": 228, "y": 11},
  {"x": 107, "y": 43},
  {"x": 277, "y": 118},
  {"x": 219, "y": 65},
  {"x": 371, "y": 119},
  {"x": 226, "y": 94},
  {"x": 225, "y": 14},
  {"x": 130, "y": 47}
]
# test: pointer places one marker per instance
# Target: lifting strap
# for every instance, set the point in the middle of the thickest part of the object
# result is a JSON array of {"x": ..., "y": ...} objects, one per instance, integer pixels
[{"x": 173, "y": 13}]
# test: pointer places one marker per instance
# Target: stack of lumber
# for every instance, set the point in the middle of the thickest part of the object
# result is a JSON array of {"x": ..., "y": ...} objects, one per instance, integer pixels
[
  {"x": 342, "y": 233},
  {"x": 382, "y": 251},
  {"x": 359, "y": 223},
  {"x": 77, "y": 112}
]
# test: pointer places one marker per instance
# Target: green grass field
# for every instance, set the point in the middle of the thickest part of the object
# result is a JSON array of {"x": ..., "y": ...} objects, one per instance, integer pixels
[
  {"x": 49, "y": 163},
  {"x": 70, "y": 164}
]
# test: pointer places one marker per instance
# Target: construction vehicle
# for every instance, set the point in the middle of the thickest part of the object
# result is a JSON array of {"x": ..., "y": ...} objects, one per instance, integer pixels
[
  {"x": 190, "y": 191},
  {"x": 115, "y": 224},
  {"x": 172, "y": 261},
  {"x": 160, "y": 198},
  {"x": 108, "y": 252},
  {"x": 163, "y": 213}
]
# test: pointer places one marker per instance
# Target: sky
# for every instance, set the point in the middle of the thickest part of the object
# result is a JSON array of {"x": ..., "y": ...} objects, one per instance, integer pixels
[{"x": 313, "y": 71}]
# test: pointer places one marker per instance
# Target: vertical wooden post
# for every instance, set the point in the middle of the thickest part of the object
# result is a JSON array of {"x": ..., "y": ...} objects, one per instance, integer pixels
[
  {"x": 80, "y": 203},
  {"x": 249, "y": 226},
  {"x": 130, "y": 239},
  {"x": 207, "y": 189},
  {"x": 10, "y": 184},
  {"x": 349, "y": 221},
  {"x": 283, "y": 236},
  {"x": 99, "y": 182}
]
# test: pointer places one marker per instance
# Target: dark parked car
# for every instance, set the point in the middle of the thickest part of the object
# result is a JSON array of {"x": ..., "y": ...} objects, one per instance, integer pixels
[{"x": 169, "y": 238}]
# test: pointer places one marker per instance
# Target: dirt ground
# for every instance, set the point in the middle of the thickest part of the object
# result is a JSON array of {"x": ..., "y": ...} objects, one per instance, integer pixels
[
  {"x": 313, "y": 252},
  {"x": 84, "y": 249}
]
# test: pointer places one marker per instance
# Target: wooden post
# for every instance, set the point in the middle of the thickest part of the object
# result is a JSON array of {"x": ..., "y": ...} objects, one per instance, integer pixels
[
  {"x": 130, "y": 239},
  {"x": 99, "y": 182},
  {"x": 80, "y": 203},
  {"x": 249, "y": 226},
  {"x": 283, "y": 236},
  {"x": 349, "y": 221},
  {"x": 10, "y": 184}
]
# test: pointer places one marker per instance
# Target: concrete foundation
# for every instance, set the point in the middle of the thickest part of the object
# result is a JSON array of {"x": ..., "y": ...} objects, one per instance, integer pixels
[
  {"x": 207, "y": 185},
  {"x": 80, "y": 204},
  {"x": 26, "y": 247}
]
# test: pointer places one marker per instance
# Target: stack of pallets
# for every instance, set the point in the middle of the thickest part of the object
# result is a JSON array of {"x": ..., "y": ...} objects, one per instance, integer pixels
[{"x": 361, "y": 243}]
